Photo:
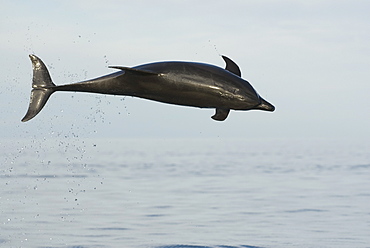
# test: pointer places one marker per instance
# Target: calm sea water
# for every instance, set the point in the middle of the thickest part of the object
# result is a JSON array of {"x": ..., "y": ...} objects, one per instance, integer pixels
[{"x": 185, "y": 193}]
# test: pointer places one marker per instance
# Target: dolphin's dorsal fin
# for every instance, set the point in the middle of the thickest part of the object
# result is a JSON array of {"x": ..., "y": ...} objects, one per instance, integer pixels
[
  {"x": 231, "y": 66},
  {"x": 221, "y": 114},
  {"x": 143, "y": 72}
]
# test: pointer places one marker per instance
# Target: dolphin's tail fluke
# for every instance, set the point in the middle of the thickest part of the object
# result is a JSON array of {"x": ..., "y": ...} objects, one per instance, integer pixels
[{"x": 42, "y": 86}]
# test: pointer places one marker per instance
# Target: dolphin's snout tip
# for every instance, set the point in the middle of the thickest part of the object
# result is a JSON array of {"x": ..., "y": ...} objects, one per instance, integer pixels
[
  {"x": 265, "y": 105},
  {"x": 270, "y": 108}
]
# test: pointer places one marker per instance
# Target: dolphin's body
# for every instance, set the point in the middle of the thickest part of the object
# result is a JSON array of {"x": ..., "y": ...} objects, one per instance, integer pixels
[{"x": 182, "y": 83}]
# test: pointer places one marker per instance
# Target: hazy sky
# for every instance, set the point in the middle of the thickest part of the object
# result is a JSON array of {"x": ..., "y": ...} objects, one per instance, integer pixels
[{"x": 311, "y": 59}]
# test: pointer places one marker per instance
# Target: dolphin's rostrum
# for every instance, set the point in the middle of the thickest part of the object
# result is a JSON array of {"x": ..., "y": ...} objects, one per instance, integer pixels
[{"x": 182, "y": 83}]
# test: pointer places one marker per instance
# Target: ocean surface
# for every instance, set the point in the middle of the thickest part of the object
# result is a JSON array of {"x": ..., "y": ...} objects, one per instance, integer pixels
[{"x": 184, "y": 193}]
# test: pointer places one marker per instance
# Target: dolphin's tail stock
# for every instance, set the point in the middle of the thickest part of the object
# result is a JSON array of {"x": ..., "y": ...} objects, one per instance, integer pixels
[{"x": 42, "y": 88}]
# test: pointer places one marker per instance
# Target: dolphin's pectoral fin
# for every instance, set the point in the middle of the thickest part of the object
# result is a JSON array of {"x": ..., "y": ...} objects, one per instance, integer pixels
[
  {"x": 221, "y": 114},
  {"x": 231, "y": 66},
  {"x": 143, "y": 72}
]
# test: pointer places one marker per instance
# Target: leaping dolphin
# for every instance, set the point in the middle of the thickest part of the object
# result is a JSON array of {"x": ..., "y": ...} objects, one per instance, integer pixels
[{"x": 182, "y": 83}]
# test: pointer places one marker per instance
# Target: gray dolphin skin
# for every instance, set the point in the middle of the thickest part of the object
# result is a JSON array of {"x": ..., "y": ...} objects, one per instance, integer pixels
[{"x": 174, "y": 82}]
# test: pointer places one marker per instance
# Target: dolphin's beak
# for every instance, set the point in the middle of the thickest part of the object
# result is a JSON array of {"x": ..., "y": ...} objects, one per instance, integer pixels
[{"x": 265, "y": 105}]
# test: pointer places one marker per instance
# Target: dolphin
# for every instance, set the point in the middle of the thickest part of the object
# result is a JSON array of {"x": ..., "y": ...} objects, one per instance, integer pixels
[{"x": 174, "y": 82}]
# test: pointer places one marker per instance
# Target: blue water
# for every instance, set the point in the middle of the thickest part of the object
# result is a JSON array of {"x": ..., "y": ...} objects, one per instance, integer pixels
[{"x": 185, "y": 193}]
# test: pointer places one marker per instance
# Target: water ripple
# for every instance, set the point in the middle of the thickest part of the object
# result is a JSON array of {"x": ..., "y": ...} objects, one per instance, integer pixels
[
  {"x": 44, "y": 176},
  {"x": 202, "y": 246},
  {"x": 304, "y": 210}
]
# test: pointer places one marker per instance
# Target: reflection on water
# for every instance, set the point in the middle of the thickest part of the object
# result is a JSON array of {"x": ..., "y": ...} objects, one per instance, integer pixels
[{"x": 185, "y": 193}]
